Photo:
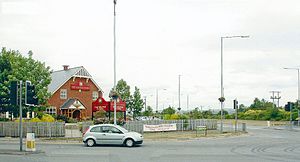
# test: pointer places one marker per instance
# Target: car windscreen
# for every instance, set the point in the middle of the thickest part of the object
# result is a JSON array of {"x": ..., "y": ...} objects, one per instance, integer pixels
[{"x": 122, "y": 129}]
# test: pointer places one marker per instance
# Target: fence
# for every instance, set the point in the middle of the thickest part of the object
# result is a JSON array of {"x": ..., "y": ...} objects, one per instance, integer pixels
[
  {"x": 230, "y": 127},
  {"x": 41, "y": 129},
  {"x": 181, "y": 125}
]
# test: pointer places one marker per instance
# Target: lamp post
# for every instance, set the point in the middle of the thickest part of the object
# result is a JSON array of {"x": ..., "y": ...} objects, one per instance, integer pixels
[
  {"x": 222, "y": 98},
  {"x": 115, "y": 100},
  {"x": 157, "y": 99},
  {"x": 298, "y": 87},
  {"x": 179, "y": 93}
]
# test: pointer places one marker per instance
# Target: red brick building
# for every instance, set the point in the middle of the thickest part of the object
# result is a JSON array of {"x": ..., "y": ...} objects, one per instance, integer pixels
[{"x": 72, "y": 92}]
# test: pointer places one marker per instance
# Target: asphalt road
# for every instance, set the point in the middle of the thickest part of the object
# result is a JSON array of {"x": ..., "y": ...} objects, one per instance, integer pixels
[{"x": 260, "y": 144}]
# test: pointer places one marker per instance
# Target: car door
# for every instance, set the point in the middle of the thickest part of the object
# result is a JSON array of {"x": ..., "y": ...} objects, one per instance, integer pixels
[
  {"x": 112, "y": 135},
  {"x": 97, "y": 133}
]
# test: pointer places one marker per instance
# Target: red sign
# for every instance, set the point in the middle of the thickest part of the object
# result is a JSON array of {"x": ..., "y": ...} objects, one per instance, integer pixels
[
  {"x": 121, "y": 106},
  {"x": 100, "y": 103},
  {"x": 79, "y": 86}
]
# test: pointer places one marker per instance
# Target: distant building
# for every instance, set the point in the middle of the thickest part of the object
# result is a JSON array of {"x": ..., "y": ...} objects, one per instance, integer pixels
[{"x": 72, "y": 92}]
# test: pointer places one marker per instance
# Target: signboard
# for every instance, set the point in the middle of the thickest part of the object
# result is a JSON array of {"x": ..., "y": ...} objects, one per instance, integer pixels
[
  {"x": 30, "y": 142},
  {"x": 160, "y": 128},
  {"x": 100, "y": 103},
  {"x": 121, "y": 106},
  {"x": 79, "y": 86}
]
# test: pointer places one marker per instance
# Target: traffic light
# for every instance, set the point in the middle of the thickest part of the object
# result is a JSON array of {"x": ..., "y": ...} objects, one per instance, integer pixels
[
  {"x": 13, "y": 93},
  {"x": 235, "y": 104},
  {"x": 290, "y": 106},
  {"x": 31, "y": 98}
]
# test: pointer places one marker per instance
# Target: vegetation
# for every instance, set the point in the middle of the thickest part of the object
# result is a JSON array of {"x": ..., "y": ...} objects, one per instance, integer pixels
[
  {"x": 134, "y": 103},
  {"x": 16, "y": 67},
  {"x": 258, "y": 110}
]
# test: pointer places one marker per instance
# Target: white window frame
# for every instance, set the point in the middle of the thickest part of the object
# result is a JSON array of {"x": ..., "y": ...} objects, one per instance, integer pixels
[
  {"x": 63, "y": 94},
  {"x": 95, "y": 95},
  {"x": 51, "y": 110}
]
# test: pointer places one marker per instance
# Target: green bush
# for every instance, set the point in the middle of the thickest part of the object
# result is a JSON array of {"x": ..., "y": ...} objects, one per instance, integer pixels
[
  {"x": 72, "y": 120},
  {"x": 47, "y": 118},
  {"x": 35, "y": 120},
  {"x": 4, "y": 119},
  {"x": 61, "y": 117}
]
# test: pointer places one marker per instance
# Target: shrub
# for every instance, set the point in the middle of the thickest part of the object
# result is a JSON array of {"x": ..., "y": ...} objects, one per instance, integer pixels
[
  {"x": 167, "y": 116},
  {"x": 35, "y": 120},
  {"x": 72, "y": 120},
  {"x": 174, "y": 117},
  {"x": 100, "y": 114},
  {"x": 61, "y": 118},
  {"x": 3, "y": 119},
  {"x": 47, "y": 118}
]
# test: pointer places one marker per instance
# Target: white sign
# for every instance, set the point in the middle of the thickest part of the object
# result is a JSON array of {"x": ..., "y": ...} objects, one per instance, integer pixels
[
  {"x": 160, "y": 128},
  {"x": 30, "y": 142}
]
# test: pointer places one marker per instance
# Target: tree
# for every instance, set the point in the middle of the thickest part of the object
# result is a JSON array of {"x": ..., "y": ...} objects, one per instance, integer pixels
[
  {"x": 148, "y": 112},
  {"x": 137, "y": 102},
  {"x": 20, "y": 68},
  {"x": 261, "y": 104},
  {"x": 242, "y": 108},
  {"x": 170, "y": 110},
  {"x": 196, "y": 113},
  {"x": 5, "y": 70},
  {"x": 124, "y": 92}
]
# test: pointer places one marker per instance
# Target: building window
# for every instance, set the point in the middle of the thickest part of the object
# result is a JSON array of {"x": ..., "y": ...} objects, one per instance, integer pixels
[
  {"x": 51, "y": 110},
  {"x": 95, "y": 95},
  {"x": 63, "y": 94}
]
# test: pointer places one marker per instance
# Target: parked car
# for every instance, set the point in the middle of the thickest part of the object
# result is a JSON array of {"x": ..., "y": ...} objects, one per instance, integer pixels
[{"x": 111, "y": 134}]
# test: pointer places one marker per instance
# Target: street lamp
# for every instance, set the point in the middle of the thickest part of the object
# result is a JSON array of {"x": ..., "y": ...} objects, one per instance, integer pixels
[
  {"x": 115, "y": 100},
  {"x": 298, "y": 86},
  {"x": 179, "y": 108},
  {"x": 157, "y": 99},
  {"x": 222, "y": 98},
  {"x": 145, "y": 98}
]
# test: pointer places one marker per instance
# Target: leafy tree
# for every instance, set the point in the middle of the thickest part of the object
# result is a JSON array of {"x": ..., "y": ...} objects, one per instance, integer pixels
[
  {"x": 208, "y": 114},
  {"x": 148, "y": 112},
  {"x": 123, "y": 89},
  {"x": 242, "y": 108},
  {"x": 5, "y": 70},
  {"x": 20, "y": 68},
  {"x": 137, "y": 102},
  {"x": 196, "y": 113},
  {"x": 170, "y": 110},
  {"x": 261, "y": 104}
]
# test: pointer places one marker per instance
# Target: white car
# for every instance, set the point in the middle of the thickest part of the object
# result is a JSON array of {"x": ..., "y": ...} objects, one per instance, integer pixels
[{"x": 111, "y": 134}]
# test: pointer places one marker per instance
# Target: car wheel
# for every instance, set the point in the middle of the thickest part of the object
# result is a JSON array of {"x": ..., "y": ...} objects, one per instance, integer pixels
[
  {"x": 129, "y": 142},
  {"x": 90, "y": 142}
]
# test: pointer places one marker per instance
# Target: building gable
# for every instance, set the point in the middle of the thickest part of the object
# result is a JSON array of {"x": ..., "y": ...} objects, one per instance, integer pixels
[{"x": 60, "y": 77}]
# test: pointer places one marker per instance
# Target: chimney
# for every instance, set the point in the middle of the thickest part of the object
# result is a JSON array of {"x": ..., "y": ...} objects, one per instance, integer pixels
[{"x": 66, "y": 67}]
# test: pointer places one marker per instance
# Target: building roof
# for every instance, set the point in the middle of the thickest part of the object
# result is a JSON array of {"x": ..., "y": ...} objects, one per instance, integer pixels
[
  {"x": 72, "y": 104},
  {"x": 60, "y": 77}
]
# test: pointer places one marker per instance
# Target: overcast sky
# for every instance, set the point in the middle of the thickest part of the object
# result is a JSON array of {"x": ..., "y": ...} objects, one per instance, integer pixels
[{"x": 159, "y": 39}]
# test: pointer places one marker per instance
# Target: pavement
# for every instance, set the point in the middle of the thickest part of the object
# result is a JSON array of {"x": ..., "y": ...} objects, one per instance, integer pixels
[{"x": 77, "y": 141}]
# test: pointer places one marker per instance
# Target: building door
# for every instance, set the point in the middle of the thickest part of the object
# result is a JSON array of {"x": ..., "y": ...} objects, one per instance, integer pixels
[{"x": 76, "y": 114}]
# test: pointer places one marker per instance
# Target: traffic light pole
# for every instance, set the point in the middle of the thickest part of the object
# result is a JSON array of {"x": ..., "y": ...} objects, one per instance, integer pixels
[
  {"x": 20, "y": 113},
  {"x": 236, "y": 114},
  {"x": 235, "y": 106}
]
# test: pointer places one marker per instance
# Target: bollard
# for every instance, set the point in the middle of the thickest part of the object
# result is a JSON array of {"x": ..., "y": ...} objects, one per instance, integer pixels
[
  {"x": 30, "y": 142},
  {"x": 268, "y": 123},
  {"x": 244, "y": 127}
]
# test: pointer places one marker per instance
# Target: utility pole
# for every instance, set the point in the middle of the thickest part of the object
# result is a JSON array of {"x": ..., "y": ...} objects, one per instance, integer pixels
[
  {"x": 273, "y": 97},
  {"x": 187, "y": 102},
  {"x": 20, "y": 124},
  {"x": 145, "y": 103},
  {"x": 115, "y": 76},
  {"x": 179, "y": 93}
]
